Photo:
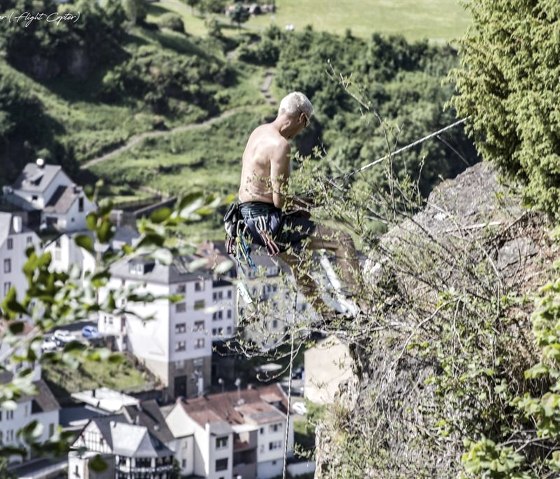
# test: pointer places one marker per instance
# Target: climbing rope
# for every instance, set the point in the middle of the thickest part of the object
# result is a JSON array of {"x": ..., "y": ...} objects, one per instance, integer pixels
[
  {"x": 345, "y": 176},
  {"x": 290, "y": 371}
]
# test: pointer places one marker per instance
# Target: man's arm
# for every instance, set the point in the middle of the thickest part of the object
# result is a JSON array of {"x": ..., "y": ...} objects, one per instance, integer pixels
[{"x": 279, "y": 173}]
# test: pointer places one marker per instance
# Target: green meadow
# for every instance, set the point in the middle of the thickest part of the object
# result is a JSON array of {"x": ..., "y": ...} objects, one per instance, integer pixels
[{"x": 441, "y": 20}]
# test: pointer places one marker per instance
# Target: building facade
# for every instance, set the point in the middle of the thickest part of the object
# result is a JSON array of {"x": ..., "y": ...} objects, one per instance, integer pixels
[
  {"x": 235, "y": 434},
  {"x": 62, "y": 204}
]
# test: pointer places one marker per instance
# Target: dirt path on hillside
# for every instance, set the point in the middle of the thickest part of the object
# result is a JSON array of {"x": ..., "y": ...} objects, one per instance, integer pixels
[{"x": 140, "y": 137}]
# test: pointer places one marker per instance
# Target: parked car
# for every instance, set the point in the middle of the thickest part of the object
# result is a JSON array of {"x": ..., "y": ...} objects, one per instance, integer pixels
[
  {"x": 49, "y": 344},
  {"x": 299, "y": 408},
  {"x": 90, "y": 332},
  {"x": 62, "y": 337}
]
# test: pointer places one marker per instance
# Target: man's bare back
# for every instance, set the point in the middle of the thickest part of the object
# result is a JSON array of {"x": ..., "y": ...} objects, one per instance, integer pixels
[{"x": 266, "y": 166}]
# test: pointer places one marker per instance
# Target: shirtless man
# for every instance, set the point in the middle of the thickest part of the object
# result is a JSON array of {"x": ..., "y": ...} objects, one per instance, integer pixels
[{"x": 262, "y": 196}]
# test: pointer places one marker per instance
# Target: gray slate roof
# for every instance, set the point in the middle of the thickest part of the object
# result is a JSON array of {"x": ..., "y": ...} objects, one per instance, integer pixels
[
  {"x": 5, "y": 226},
  {"x": 36, "y": 179},
  {"x": 155, "y": 272},
  {"x": 148, "y": 414},
  {"x": 136, "y": 441},
  {"x": 44, "y": 401},
  {"x": 61, "y": 201}
]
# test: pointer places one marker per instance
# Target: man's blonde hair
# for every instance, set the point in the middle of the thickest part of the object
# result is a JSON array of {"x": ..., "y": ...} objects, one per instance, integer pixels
[{"x": 295, "y": 103}]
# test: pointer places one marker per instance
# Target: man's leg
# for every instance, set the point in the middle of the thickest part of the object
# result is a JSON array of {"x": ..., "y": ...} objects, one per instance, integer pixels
[
  {"x": 342, "y": 246},
  {"x": 300, "y": 265},
  {"x": 333, "y": 240}
]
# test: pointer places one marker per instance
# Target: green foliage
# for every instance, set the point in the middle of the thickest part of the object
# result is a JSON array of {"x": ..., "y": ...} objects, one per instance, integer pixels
[
  {"x": 46, "y": 49},
  {"x": 172, "y": 21},
  {"x": 400, "y": 99},
  {"x": 508, "y": 85},
  {"x": 212, "y": 6},
  {"x": 135, "y": 10},
  {"x": 167, "y": 81},
  {"x": 239, "y": 14},
  {"x": 485, "y": 459}
]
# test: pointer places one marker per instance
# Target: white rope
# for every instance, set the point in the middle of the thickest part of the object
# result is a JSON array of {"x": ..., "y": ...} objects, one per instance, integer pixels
[
  {"x": 287, "y": 435},
  {"x": 400, "y": 150}
]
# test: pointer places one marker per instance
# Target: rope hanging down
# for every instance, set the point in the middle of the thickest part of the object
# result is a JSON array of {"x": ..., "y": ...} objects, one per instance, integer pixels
[{"x": 396, "y": 152}]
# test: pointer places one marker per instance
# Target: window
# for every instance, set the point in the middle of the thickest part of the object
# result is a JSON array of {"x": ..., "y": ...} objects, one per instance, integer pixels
[
  {"x": 0, "y": 415},
  {"x": 181, "y": 346},
  {"x": 274, "y": 445},
  {"x": 80, "y": 204},
  {"x": 7, "y": 266},
  {"x": 228, "y": 329},
  {"x": 198, "y": 326},
  {"x": 199, "y": 286},
  {"x": 77, "y": 471},
  {"x": 217, "y": 315},
  {"x": 183, "y": 463},
  {"x": 7, "y": 286},
  {"x": 221, "y": 464},
  {"x": 199, "y": 343},
  {"x": 34, "y": 197},
  {"x": 229, "y": 314},
  {"x": 180, "y": 307},
  {"x": 180, "y": 328},
  {"x": 51, "y": 429},
  {"x": 229, "y": 294},
  {"x": 10, "y": 243},
  {"x": 9, "y": 414},
  {"x": 29, "y": 240},
  {"x": 181, "y": 289},
  {"x": 221, "y": 442},
  {"x": 261, "y": 430},
  {"x": 199, "y": 304},
  {"x": 274, "y": 323},
  {"x": 275, "y": 427},
  {"x": 214, "y": 296},
  {"x": 136, "y": 268}
]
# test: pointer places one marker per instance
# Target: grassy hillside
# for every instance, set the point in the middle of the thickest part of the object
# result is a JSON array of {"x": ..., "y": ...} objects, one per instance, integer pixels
[{"x": 415, "y": 19}]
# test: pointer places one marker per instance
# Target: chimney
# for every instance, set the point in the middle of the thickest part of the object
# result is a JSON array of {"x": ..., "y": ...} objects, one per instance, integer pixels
[
  {"x": 40, "y": 162},
  {"x": 17, "y": 223}
]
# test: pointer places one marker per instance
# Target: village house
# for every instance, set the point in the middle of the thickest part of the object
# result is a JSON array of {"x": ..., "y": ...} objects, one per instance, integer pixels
[
  {"x": 47, "y": 191},
  {"x": 236, "y": 434}
]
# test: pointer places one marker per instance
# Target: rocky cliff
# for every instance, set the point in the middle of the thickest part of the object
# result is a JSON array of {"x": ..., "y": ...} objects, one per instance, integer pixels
[{"x": 447, "y": 333}]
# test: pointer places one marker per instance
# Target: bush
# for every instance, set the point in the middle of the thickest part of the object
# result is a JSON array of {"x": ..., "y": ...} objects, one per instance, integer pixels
[{"x": 172, "y": 21}]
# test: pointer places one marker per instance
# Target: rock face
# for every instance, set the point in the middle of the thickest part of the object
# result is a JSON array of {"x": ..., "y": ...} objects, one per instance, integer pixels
[{"x": 435, "y": 280}]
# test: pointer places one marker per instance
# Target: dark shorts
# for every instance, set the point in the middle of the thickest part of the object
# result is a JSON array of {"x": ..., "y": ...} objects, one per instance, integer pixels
[{"x": 287, "y": 229}]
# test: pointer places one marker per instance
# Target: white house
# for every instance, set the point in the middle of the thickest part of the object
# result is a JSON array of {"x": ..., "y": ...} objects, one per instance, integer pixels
[
  {"x": 276, "y": 303},
  {"x": 15, "y": 238},
  {"x": 46, "y": 188},
  {"x": 175, "y": 343},
  {"x": 239, "y": 433},
  {"x": 42, "y": 408},
  {"x": 135, "y": 443}
]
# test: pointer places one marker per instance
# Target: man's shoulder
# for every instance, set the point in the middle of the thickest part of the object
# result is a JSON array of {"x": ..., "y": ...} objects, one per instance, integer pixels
[{"x": 269, "y": 134}]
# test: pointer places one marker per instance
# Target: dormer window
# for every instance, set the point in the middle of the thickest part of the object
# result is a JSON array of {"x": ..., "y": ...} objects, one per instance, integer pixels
[{"x": 136, "y": 268}]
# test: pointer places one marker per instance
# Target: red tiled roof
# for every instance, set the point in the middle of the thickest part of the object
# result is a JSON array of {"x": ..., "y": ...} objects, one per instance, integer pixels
[{"x": 253, "y": 405}]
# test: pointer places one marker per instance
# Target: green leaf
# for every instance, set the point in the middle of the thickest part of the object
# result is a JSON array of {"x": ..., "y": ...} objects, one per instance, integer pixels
[
  {"x": 188, "y": 199},
  {"x": 17, "y": 327},
  {"x": 163, "y": 255},
  {"x": 85, "y": 242},
  {"x": 97, "y": 464},
  {"x": 91, "y": 221},
  {"x": 105, "y": 231},
  {"x": 160, "y": 215}
]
